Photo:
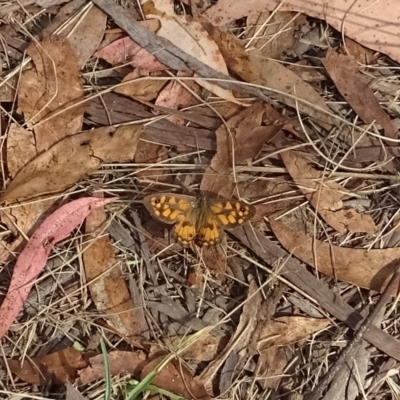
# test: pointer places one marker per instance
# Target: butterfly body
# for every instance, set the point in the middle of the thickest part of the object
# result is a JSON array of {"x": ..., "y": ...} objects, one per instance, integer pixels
[{"x": 198, "y": 219}]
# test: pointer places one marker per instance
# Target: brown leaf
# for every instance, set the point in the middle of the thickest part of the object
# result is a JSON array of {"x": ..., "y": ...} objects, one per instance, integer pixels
[
  {"x": 191, "y": 38},
  {"x": 106, "y": 281},
  {"x": 60, "y": 366},
  {"x": 52, "y": 85},
  {"x": 361, "y": 54},
  {"x": 378, "y": 36},
  {"x": 85, "y": 34},
  {"x": 214, "y": 258},
  {"x": 73, "y": 393},
  {"x": 71, "y": 159},
  {"x": 345, "y": 74},
  {"x": 287, "y": 86},
  {"x": 205, "y": 348},
  {"x": 271, "y": 366},
  {"x": 259, "y": 33},
  {"x": 176, "y": 378},
  {"x": 326, "y": 196},
  {"x": 287, "y": 330},
  {"x": 248, "y": 141},
  {"x": 141, "y": 87},
  {"x": 21, "y": 148},
  {"x": 151, "y": 153},
  {"x": 121, "y": 362},
  {"x": 371, "y": 269}
]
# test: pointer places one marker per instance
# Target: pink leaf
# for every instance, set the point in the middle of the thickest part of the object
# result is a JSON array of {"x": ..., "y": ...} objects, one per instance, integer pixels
[
  {"x": 33, "y": 258},
  {"x": 125, "y": 50}
]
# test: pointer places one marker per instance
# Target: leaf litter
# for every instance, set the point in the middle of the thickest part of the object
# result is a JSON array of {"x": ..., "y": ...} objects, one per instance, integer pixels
[{"x": 267, "y": 109}]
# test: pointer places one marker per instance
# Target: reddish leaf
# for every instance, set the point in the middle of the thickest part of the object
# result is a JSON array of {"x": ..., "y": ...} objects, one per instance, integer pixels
[
  {"x": 59, "y": 366},
  {"x": 33, "y": 258},
  {"x": 126, "y": 50}
]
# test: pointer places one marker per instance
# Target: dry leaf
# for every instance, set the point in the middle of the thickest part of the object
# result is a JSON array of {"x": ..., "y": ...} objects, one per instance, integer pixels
[
  {"x": 85, "y": 34},
  {"x": 21, "y": 148},
  {"x": 73, "y": 393},
  {"x": 206, "y": 348},
  {"x": 254, "y": 68},
  {"x": 367, "y": 269},
  {"x": 273, "y": 38},
  {"x": 125, "y": 50},
  {"x": 32, "y": 259},
  {"x": 287, "y": 330},
  {"x": 151, "y": 153},
  {"x": 176, "y": 378},
  {"x": 120, "y": 362},
  {"x": 71, "y": 159},
  {"x": 106, "y": 281},
  {"x": 326, "y": 196},
  {"x": 357, "y": 16},
  {"x": 248, "y": 141},
  {"x": 360, "y": 53},
  {"x": 139, "y": 85},
  {"x": 53, "y": 84},
  {"x": 345, "y": 73},
  {"x": 191, "y": 38},
  {"x": 174, "y": 95},
  {"x": 277, "y": 193},
  {"x": 60, "y": 367}
]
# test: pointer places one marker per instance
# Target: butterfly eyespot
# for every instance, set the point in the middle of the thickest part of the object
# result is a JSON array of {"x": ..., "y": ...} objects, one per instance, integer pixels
[{"x": 157, "y": 201}]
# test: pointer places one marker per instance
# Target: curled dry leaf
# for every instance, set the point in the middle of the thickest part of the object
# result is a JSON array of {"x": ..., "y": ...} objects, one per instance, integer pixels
[
  {"x": 344, "y": 71},
  {"x": 54, "y": 84},
  {"x": 370, "y": 269},
  {"x": 106, "y": 282},
  {"x": 58, "y": 367},
  {"x": 355, "y": 18},
  {"x": 71, "y": 159},
  {"x": 33, "y": 258},
  {"x": 326, "y": 196}
]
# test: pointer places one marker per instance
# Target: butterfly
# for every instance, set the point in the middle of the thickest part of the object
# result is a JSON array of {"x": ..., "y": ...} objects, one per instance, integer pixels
[{"x": 200, "y": 219}]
